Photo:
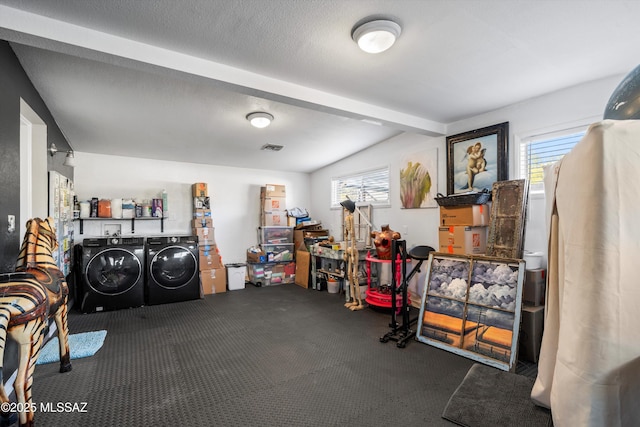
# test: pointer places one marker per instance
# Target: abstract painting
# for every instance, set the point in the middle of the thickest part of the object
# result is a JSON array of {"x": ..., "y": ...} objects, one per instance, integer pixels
[{"x": 419, "y": 180}]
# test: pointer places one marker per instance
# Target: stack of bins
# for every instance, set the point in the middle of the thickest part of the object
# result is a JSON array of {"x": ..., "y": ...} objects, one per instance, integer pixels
[{"x": 277, "y": 265}]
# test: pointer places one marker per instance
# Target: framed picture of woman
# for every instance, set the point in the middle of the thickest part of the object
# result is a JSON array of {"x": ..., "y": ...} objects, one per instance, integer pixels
[{"x": 477, "y": 159}]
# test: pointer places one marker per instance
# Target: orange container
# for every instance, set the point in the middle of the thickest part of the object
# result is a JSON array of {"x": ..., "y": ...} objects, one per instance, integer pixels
[{"x": 104, "y": 208}]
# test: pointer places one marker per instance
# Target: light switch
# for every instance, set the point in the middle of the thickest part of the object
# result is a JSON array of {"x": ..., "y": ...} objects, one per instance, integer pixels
[{"x": 12, "y": 223}]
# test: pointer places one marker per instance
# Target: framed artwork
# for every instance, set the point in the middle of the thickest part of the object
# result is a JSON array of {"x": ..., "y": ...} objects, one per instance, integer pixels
[
  {"x": 471, "y": 306},
  {"x": 419, "y": 180},
  {"x": 477, "y": 159}
]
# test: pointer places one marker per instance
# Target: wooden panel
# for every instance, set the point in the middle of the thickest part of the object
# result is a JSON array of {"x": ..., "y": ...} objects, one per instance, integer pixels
[
  {"x": 303, "y": 264},
  {"x": 508, "y": 215}
]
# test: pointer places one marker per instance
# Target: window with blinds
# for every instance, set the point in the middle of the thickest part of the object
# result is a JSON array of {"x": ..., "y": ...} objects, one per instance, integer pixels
[
  {"x": 371, "y": 187},
  {"x": 536, "y": 153}
]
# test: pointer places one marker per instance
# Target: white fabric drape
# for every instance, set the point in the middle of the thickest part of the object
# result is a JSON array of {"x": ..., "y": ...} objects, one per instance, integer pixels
[{"x": 589, "y": 366}]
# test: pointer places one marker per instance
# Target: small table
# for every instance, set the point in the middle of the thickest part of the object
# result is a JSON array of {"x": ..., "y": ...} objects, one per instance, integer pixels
[{"x": 332, "y": 264}]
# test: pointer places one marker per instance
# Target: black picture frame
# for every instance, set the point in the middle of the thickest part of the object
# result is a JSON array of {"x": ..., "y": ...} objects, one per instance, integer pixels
[{"x": 488, "y": 164}]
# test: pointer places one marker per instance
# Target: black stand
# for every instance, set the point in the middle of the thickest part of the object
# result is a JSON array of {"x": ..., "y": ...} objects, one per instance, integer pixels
[{"x": 401, "y": 333}]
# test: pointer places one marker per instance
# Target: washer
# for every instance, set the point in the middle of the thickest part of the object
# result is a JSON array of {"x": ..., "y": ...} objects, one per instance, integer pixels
[
  {"x": 112, "y": 274},
  {"x": 172, "y": 269}
]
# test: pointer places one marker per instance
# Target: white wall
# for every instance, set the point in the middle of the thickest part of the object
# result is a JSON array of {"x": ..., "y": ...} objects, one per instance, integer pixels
[
  {"x": 234, "y": 192},
  {"x": 579, "y": 105}
]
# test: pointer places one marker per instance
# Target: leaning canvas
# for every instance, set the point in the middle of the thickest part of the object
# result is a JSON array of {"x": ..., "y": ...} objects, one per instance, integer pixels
[{"x": 471, "y": 306}]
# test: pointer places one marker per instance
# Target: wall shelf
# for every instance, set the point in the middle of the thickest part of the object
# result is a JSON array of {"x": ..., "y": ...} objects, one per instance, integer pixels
[{"x": 133, "y": 222}]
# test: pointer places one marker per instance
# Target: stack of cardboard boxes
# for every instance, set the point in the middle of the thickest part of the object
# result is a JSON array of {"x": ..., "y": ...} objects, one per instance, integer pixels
[
  {"x": 213, "y": 275},
  {"x": 463, "y": 229},
  {"x": 273, "y": 205}
]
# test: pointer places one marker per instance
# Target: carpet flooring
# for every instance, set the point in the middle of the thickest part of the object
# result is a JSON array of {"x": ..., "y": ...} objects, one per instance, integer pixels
[{"x": 268, "y": 356}]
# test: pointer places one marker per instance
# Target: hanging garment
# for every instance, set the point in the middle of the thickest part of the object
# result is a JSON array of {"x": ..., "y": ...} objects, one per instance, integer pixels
[{"x": 589, "y": 366}]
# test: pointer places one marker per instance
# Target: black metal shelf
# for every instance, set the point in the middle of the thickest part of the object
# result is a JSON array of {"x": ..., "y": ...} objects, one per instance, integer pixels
[{"x": 133, "y": 222}]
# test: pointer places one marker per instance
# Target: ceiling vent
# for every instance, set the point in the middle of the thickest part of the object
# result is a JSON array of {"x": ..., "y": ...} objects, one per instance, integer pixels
[{"x": 272, "y": 147}]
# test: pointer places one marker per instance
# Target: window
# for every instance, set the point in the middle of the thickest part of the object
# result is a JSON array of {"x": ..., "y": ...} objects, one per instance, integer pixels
[
  {"x": 370, "y": 187},
  {"x": 537, "y": 152}
]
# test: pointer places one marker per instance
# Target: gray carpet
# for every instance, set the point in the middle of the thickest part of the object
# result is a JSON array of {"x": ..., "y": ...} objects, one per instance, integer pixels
[
  {"x": 269, "y": 356},
  {"x": 488, "y": 397}
]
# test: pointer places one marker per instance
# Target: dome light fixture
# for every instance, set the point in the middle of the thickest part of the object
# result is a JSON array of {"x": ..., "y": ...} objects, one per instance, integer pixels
[
  {"x": 260, "y": 119},
  {"x": 376, "y": 36}
]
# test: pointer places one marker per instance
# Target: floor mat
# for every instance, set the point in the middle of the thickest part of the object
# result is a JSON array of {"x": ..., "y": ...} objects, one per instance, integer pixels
[
  {"x": 488, "y": 397},
  {"x": 80, "y": 345}
]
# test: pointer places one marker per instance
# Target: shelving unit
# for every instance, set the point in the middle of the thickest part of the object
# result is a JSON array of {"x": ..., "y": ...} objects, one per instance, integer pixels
[{"x": 133, "y": 222}]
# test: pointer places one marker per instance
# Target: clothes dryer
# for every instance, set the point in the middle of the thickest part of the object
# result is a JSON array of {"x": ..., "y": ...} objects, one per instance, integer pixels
[
  {"x": 112, "y": 274},
  {"x": 172, "y": 269}
]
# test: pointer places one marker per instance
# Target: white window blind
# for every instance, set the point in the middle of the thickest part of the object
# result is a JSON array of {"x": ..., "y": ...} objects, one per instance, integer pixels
[
  {"x": 371, "y": 187},
  {"x": 536, "y": 153}
]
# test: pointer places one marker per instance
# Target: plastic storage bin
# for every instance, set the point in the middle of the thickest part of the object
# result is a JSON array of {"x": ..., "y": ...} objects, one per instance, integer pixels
[
  {"x": 271, "y": 273},
  {"x": 276, "y": 253},
  {"x": 275, "y": 235}
]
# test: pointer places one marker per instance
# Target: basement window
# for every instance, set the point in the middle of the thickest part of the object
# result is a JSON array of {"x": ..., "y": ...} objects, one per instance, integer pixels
[
  {"x": 539, "y": 151},
  {"x": 370, "y": 187}
]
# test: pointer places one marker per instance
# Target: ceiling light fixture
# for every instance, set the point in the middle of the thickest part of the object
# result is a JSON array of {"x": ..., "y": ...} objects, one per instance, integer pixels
[
  {"x": 260, "y": 119},
  {"x": 376, "y": 36}
]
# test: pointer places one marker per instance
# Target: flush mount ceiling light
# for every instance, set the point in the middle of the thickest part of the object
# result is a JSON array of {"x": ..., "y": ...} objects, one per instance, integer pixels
[
  {"x": 260, "y": 119},
  {"x": 376, "y": 36}
]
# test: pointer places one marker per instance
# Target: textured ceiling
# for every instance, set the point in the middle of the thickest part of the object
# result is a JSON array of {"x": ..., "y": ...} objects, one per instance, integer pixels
[{"x": 175, "y": 80}]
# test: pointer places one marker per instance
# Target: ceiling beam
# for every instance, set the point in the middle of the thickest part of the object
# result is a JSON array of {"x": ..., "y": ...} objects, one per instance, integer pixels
[{"x": 39, "y": 31}]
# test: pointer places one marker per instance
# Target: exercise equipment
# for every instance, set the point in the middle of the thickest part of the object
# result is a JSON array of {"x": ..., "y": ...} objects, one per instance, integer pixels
[{"x": 402, "y": 332}]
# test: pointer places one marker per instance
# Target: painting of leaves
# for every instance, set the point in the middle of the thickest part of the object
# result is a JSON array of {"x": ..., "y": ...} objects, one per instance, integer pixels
[{"x": 419, "y": 180}]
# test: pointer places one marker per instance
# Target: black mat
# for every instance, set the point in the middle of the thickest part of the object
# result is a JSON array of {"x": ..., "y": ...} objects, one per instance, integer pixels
[
  {"x": 269, "y": 356},
  {"x": 488, "y": 397}
]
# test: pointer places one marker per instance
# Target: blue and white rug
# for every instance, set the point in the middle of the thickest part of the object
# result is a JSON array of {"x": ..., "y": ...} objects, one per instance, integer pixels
[{"x": 81, "y": 345}]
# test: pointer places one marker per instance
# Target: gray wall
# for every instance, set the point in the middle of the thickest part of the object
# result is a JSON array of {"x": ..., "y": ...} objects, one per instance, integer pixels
[{"x": 15, "y": 84}]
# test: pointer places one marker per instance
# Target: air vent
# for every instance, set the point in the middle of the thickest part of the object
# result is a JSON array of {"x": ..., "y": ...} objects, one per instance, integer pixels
[{"x": 272, "y": 147}]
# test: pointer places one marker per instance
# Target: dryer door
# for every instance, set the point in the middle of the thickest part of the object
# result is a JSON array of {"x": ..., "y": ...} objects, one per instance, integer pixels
[
  {"x": 173, "y": 267},
  {"x": 113, "y": 271}
]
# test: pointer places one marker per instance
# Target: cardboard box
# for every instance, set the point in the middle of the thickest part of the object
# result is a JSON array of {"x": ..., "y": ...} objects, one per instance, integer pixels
[
  {"x": 201, "y": 213},
  {"x": 462, "y": 240},
  {"x": 274, "y": 219},
  {"x": 213, "y": 281},
  {"x": 274, "y": 204},
  {"x": 274, "y": 190},
  {"x": 206, "y": 235},
  {"x": 201, "y": 203},
  {"x": 199, "y": 189},
  {"x": 259, "y": 257},
  {"x": 299, "y": 237},
  {"x": 533, "y": 292},
  {"x": 472, "y": 215},
  {"x": 206, "y": 249},
  {"x": 202, "y": 223},
  {"x": 210, "y": 261},
  {"x": 530, "y": 338}
]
